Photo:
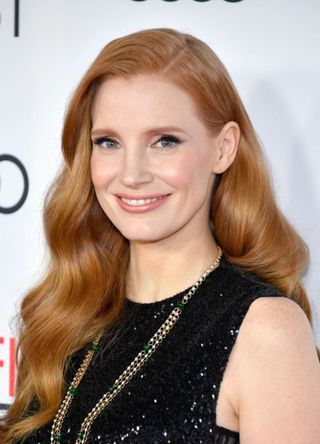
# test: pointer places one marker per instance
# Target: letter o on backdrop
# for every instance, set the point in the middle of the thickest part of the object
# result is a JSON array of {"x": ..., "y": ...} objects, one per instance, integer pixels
[{"x": 17, "y": 204}]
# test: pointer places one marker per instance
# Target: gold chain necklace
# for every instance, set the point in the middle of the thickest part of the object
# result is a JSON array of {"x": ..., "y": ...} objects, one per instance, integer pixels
[{"x": 124, "y": 378}]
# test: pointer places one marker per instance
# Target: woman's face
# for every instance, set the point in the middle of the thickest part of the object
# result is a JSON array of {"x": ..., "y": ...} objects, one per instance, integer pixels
[{"x": 152, "y": 159}]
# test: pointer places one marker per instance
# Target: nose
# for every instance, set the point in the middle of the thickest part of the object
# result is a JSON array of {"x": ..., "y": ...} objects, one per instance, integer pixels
[{"x": 135, "y": 169}]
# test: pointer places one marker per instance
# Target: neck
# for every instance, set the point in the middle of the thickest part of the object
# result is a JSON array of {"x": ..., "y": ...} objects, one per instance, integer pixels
[{"x": 161, "y": 269}]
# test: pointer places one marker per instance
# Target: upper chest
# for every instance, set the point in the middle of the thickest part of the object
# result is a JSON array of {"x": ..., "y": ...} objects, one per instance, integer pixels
[{"x": 175, "y": 390}]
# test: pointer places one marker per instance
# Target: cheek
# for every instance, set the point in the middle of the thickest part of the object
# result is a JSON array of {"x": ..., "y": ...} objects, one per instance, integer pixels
[
  {"x": 179, "y": 169},
  {"x": 186, "y": 171},
  {"x": 93, "y": 170},
  {"x": 99, "y": 172}
]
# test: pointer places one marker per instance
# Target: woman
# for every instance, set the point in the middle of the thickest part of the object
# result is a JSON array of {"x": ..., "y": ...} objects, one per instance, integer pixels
[{"x": 163, "y": 173}]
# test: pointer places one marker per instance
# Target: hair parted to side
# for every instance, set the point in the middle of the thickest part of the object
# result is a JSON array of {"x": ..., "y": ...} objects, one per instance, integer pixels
[{"x": 84, "y": 288}]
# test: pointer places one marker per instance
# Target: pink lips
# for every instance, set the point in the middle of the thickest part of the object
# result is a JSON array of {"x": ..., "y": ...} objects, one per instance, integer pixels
[{"x": 143, "y": 207}]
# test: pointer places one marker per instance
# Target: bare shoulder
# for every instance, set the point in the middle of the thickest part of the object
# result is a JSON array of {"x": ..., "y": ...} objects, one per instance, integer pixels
[
  {"x": 278, "y": 375},
  {"x": 279, "y": 326},
  {"x": 279, "y": 318}
]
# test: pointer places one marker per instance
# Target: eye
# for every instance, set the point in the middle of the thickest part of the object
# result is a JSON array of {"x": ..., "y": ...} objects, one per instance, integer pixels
[
  {"x": 106, "y": 142},
  {"x": 168, "y": 141}
]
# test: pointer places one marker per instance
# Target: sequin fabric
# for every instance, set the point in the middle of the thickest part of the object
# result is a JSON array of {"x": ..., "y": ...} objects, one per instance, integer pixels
[{"x": 173, "y": 398}]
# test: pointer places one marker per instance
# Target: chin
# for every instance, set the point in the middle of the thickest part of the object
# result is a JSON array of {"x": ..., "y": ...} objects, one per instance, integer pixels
[{"x": 143, "y": 235}]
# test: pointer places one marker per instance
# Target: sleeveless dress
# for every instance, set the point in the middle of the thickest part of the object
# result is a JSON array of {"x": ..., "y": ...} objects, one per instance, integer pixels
[{"x": 172, "y": 399}]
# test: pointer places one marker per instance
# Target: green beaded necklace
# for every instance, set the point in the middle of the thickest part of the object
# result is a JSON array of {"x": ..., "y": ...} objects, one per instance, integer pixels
[{"x": 112, "y": 391}]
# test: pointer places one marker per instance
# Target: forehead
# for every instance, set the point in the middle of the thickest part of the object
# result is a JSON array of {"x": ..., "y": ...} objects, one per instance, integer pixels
[{"x": 142, "y": 98}]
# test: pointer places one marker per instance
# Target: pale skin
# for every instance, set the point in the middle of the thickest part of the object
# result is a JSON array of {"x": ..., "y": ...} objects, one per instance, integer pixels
[{"x": 270, "y": 392}]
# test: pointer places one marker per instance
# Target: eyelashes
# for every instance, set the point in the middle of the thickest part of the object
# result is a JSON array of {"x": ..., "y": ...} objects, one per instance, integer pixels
[
  {"x": 172, "y": 140},
  {"x": 106, "y": 142},
  {"x": 166, "y": 142}
]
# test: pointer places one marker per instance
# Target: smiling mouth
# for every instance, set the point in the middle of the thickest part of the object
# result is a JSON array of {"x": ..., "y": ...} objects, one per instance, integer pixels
[{"x": 138, "y": 202}]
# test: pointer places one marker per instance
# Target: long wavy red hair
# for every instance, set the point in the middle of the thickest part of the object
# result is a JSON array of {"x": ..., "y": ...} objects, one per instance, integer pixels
[{"x": 83, "y": 290}]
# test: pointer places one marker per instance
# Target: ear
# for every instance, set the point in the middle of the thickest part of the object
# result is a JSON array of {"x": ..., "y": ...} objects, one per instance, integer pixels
[{"x": 226, "y": 146}]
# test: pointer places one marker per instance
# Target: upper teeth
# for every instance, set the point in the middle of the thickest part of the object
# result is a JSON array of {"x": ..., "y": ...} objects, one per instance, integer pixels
[{"x": 140, "y": 201}]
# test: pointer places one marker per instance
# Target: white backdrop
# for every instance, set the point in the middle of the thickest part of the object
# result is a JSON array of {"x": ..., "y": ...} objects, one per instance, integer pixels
[{"x": 271, "y": 50}]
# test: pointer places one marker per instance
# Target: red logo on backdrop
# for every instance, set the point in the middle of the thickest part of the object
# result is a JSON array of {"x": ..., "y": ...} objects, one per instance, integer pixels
[{"x": 8, "y": 348}]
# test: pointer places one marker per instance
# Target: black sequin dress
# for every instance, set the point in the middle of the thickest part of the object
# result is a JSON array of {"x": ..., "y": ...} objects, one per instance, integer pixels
[{"x": 173, "y": 397}]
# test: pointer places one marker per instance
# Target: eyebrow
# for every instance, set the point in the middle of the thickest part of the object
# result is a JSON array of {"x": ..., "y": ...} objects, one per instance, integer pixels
[{"x": 157, "y": 130}]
